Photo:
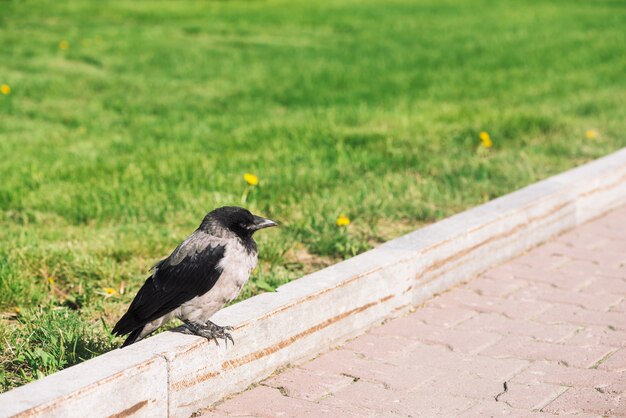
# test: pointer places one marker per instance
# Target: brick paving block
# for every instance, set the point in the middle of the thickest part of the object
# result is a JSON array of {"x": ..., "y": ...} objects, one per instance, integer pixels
[
  {"x": 566, "y": 281},
  {"x": 350, "y": 365},
  {"x": 561, "y": 313},
  {"x": 602, "y": 228},
  {"x": 263, "y": 401},
  {"x": 304, "y": 384},
  {"x": 596, "y": 302},
  {"x": 621, "y": 308},
  {"x": 530, "y": 397},
  {"x": 379, "y": 347},
  {"x": 526, "y": 348},
  {"x": 599, "y": 253},
  {"x": 335, "y": 362},
  {"x": 604, "y": 285},
  {"x": 616, "y": 268},
  {"x": 423, "y": 354},
  {"x": 444, "y": 359},
  {"x": 589, "y": 269},
  {"x": 554, "y": 373},
  {"x": 497, "y": 409},
  {"x": 500, "y": 324},
  {"x": 464, "y": 341},
  {"x": 543, "y": 257},
  {"x": 577, "y": 236},
  {"x": 588, "y": 400},
  {"x": 382, "y": 402},
  {"x": 617, "y": 245},
  {"x": 563, "y": 279},
  {"x": 212, "y": 414},
  {"x": 468, "y": 299},
  {"x": 594, "y": 335},
  {"x": 485, "y": 286},
  {"x": 510, "y": 270},
  {"x": 617, "y": 271},
  {"x": 616, "y": 362},
  {"x": 609, "y": 257},
  {"x": 442, "y": 317},
  {"x": 462, "y": 384}
]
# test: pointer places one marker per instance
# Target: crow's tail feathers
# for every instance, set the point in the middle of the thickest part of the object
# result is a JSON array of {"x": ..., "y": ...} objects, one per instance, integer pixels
[
  {"x": 127, "y": 325},
  {"x": 132, "y": 337}
]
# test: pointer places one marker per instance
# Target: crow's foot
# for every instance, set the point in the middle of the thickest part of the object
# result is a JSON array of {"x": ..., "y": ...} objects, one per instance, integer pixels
[{"x": 211, "y": 331}]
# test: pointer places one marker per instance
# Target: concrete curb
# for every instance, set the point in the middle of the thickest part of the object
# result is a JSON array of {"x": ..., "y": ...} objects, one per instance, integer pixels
[{"x": 175, "y": 374}]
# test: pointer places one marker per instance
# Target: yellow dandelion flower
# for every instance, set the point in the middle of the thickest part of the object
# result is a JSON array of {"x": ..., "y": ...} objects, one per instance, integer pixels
[
  {"x": 51, "y": 280},
  {"x": 64, "y": 45},
  {"x": 343, "y": 221},
  {"x": 485, "y": 139},
  {"x": 5, "y": 89},
  {"x": 17, "y": 309},
  {"x": 251, "y": 179},
  {"x": 109, "y": 290},
  {"x": 591, "y": 134}
]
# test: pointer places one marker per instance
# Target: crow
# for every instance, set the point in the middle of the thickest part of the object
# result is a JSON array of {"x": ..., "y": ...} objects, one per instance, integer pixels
[{"x": 205, "y": 272}]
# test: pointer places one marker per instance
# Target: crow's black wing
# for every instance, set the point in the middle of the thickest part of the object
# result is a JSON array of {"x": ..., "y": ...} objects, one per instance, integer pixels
[{"x": 191, "y": 270}]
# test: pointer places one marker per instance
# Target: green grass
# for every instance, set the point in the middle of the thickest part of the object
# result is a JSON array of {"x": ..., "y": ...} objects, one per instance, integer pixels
[{"x": 114, "y": 149}]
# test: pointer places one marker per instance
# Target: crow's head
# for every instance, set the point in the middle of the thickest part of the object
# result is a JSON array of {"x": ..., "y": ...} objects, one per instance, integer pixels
[{"x": 235, "y": 219}]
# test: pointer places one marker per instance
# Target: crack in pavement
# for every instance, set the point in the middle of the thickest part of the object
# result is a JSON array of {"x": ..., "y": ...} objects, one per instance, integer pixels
[{"x": 506, "y": 388}]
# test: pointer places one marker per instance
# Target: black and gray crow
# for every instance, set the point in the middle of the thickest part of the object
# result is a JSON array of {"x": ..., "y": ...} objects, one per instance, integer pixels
[{"x": 205, "y": 272}]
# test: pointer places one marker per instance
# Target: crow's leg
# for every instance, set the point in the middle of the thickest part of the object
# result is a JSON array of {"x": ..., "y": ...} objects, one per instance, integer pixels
[
  {"x": 221, "y": 332},
  {"x": 210, "y": 331}
]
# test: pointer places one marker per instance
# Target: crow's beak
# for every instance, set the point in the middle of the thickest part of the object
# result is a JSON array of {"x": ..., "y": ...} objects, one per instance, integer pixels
[{"x": 260, "y": 223}]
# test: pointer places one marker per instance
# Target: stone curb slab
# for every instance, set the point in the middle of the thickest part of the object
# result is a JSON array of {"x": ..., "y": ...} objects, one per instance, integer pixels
[{"x": 173, "y": 374}]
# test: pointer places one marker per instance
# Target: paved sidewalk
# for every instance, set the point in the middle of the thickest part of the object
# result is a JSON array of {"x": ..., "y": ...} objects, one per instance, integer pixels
[{"x": 541, "y": 335}]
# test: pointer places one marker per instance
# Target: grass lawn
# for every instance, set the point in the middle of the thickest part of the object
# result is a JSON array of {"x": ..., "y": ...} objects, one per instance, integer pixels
[{"x": 127, "y": 121}]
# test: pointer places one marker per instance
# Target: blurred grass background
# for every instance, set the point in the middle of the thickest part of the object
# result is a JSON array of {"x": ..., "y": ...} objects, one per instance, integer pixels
[{"x": 127, "y": 121}]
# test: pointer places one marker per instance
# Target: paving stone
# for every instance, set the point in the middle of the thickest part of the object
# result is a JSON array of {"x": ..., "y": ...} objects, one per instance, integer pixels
[
  {"x": 597, "y": 252},
  {"x": 213, "y": 414},
  {"x": 462, "y": 384},
  {"x": 591, "y": 269},
  {"x": 457, "y": 340},
  {"x": 444, "y": 359},
  {"x": 354, "y": 367},
  {"x": 616, "y": 362},
  {"x": 595, "y": 335},
  {"x": 560, "y": 313},
  {"x": 383, "y": 402},
  {"x": 527, "y": 348},
  {"x": 442, "y": 317},
  {"x": 500, "y": 324},
  {"x": 495, "y": 287},
  {"x": 596, "y": 302},
  {"x": 381, "y": 347},
  {"x": 492, "y": 408},
  {"x": 530, "y": 396},
  {"x": 621, "y": 308},
  {"x": 607, "y": 285},
  {"x": 263, "y": 401},
  {"x": 588, "y": 400},
  {"x": 468, "y": 299},
  {"x": 302, "y": 384},
  {"x": 543, "y": 257},
  {"x": 558, "y": 374}
]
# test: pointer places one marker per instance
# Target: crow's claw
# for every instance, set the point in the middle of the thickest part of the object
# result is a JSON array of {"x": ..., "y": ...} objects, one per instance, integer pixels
[{"x": 211, "y": 331}]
